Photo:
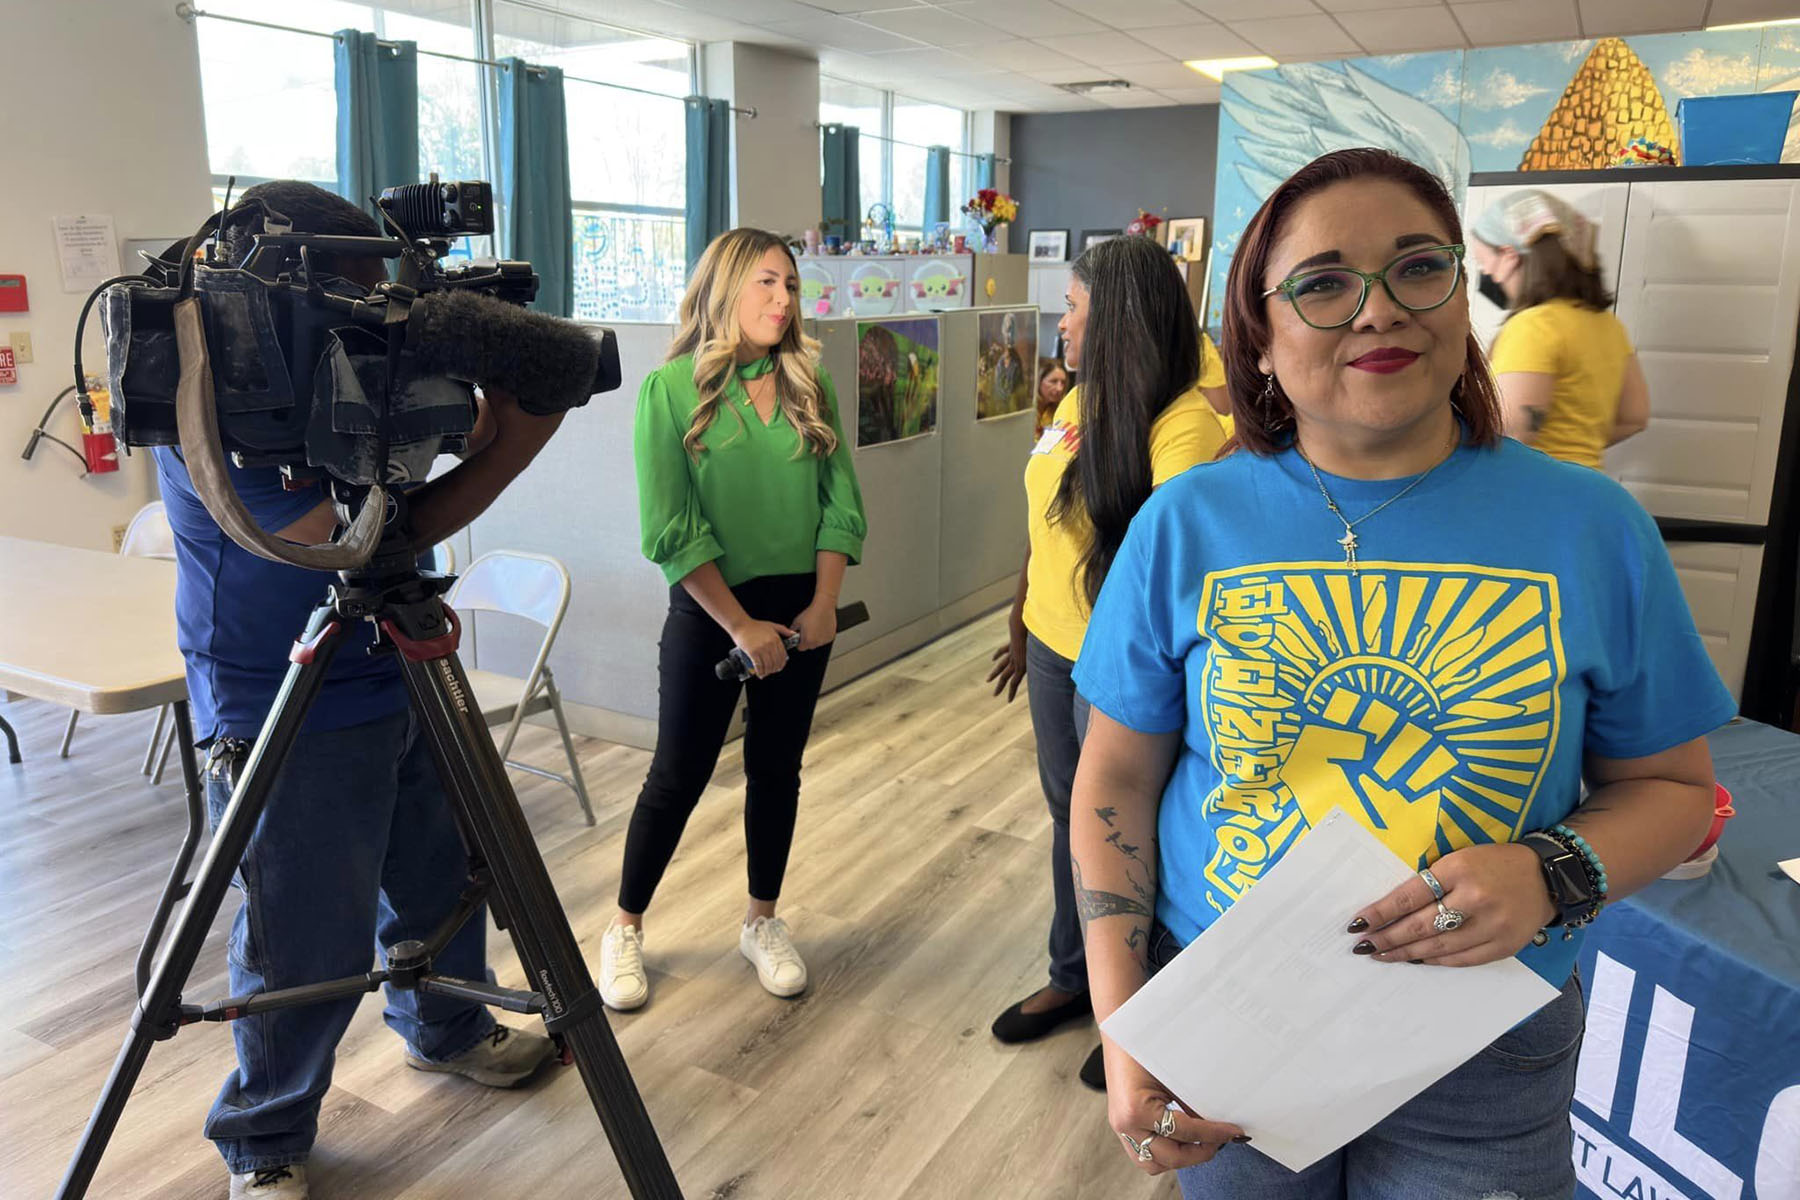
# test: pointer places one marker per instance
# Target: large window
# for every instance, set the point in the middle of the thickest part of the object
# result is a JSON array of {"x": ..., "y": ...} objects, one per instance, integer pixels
[
  {"x": 922, "y": 124},
  {"x": 271, "y": 113},
  {"x": 842, "y": 103},
  {"x": 627, "y": 157},
  {"x": 895, "y": 133}
]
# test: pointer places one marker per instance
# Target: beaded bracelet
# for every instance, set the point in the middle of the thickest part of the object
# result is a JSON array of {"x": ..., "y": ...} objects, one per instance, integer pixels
[{"x": 1595, "y": 870}]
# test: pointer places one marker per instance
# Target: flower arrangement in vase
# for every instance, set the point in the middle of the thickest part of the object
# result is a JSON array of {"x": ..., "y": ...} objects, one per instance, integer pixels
[{"x": 991, "y": 209}]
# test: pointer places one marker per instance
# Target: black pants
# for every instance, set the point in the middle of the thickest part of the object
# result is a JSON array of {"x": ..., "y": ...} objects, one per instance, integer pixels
[{"x": 693, "y": 715}]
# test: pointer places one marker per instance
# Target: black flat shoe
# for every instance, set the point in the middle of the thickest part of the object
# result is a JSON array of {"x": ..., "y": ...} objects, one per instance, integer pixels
[
  {"x": 1016, "y": 1025},
  {"x": 1093, "y": 1071}
]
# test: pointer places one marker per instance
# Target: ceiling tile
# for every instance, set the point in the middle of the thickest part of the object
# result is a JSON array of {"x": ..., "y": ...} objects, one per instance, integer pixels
[
  {"x": 1394, "y": 30},
  {"x": 1605, "y": 18},
  {"x": 1133, "y": 99},
  {"x": 1020, "y": 55},
  {"x": 1074, "y": 73},
  {"x": 1141, "y": 14},
  {"x": 1026, "y": 18},
  {"x": 1202, "y": 95},
  {"x": 1344, "y": 6},
  {"x": 863, "y": 6},
  {"x": 1104, "y": 49},
  {"x": 1162, "y": 75},
  {"x": 931, "y": 25},
  {"x": 929, "y": 60},
  {"x": 1291, "y": 37},
  {"x": 840, "y": 33},
  {"x": 1730, "y": 12},
  {"x": 1244, "y": 10},
  {"x": 758, "y": 12},
  {"x": 1498, "y": 22},
  {"x": 1206, "y": 40}
]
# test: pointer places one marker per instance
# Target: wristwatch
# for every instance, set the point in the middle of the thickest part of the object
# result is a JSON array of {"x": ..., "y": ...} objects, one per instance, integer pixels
[{"x": 1566, "y": 875}]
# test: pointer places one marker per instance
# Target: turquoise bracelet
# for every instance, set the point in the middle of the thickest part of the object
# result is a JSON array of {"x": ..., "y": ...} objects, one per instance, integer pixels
[{"x": 1596, "y": 868}]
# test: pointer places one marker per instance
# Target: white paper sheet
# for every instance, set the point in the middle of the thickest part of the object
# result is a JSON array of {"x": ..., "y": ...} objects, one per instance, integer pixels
[
  {"x": 1792, "y": 867},
  {"x": 87, "y": 251},
  {"x": 1269, "y": 1021}
]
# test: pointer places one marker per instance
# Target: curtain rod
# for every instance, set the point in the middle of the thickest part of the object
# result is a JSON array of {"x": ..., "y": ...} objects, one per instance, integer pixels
[
  {"x": 187, "y": 12},
  {"x": 824, "y": 125}
]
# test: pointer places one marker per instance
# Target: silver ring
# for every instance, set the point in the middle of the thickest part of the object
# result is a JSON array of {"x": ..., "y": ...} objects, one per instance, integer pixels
[
  {"x": 1448, "y": 919},
  {"x": 1431, "y": 881},
  {"x": 1165, "y": 1124},
  {"x": 1140, "y": 1149}
]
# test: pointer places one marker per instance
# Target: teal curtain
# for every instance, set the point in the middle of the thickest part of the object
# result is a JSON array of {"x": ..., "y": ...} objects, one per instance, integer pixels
[
  {"x": 984, "y": 170},
  {"x": 708, "y": 173},
  {"x": 841, "y": 204},
  {"x": 937, "y": 186},
  {"x": 377, "y": 115},
  {"x": 532, "y": 184}
]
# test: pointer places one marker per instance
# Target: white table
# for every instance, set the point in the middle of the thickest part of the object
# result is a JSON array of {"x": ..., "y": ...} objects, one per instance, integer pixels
[{"x": 96, "y": 632}]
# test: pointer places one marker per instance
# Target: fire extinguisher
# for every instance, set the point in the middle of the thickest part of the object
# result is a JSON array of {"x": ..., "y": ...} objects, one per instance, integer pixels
[{"x": 97, "y": 443}]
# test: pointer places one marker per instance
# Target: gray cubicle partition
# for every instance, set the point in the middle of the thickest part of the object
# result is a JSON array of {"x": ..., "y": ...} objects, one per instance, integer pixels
[{"x": 946, "y": 516}]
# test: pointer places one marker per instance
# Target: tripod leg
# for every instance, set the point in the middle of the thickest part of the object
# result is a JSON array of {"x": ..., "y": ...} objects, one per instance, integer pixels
[
  {"x": 181, "y": 730},
  {"x": 475, "y": 780},
  {"x": 159, "y": 1009}
]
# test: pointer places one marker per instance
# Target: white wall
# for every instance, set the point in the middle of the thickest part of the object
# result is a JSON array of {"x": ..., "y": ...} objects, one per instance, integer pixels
[
  {"x": 775, "y": 156},
  {"x": 103, "y": 98}
]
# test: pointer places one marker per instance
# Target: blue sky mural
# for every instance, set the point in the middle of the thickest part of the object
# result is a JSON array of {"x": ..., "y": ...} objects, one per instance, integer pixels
[{"x": 1454, "y": 111}]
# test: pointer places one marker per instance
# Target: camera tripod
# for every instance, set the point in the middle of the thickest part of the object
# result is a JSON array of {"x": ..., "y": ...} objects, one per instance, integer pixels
[{"x": 505, "y": 872}]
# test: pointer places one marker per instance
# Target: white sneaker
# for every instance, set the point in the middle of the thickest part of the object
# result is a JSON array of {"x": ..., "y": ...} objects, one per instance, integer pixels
[
  {"x": 623, "y": 982},
  {"x": 274, "y": 1183},
  {"x": 766, "y": 943},
  {"x": 505, "y": 1058}
]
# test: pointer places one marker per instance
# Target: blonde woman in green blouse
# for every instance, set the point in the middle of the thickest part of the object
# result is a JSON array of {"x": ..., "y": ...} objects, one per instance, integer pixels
[{"x": 748, "y": 502}]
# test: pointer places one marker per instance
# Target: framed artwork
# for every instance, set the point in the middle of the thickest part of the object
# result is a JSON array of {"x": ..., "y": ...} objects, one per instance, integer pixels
[
  {"x": 1049, "y": 245},
  {"x": 1093, "y": 237},
  {"x": 1190, "y": 234},
  {"x": 897, "y": 379},
  {"x": 1004, "y": 379}
]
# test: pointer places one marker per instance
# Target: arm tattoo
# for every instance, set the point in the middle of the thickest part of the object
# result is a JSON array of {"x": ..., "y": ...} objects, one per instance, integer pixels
[{"x": 1092, "y": 905}]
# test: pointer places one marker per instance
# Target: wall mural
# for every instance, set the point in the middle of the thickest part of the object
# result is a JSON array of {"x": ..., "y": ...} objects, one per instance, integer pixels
[{"x": 1553, "y": 106}]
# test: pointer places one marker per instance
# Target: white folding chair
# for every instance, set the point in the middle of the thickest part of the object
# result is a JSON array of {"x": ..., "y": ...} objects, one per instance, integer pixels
[
  {"x": 535, "y": 587},
  {"x": 147, "y": 536}
]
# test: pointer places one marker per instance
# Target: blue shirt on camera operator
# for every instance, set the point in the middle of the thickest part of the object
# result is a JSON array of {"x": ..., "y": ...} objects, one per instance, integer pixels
[{"x": 357, "y": 845}]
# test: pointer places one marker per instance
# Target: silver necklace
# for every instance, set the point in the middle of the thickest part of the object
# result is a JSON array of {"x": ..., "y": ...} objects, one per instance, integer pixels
[{"x": 1349, "y": 541}]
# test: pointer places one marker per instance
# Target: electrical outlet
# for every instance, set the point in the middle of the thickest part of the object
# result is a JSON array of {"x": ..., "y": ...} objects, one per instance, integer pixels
[
  {"x": 118, "y": 537},
  {"x": 21, "y": 346}
]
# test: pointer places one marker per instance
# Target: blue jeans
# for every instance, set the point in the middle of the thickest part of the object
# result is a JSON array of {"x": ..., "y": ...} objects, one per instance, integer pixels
[
  {"x": 1496, "y": 1128},
  {"x": 1059, "y": 720},
  {"x": 355, "y": 849}
]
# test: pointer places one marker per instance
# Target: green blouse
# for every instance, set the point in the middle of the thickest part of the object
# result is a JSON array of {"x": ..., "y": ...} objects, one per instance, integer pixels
[{"x": 750, "y": 499}]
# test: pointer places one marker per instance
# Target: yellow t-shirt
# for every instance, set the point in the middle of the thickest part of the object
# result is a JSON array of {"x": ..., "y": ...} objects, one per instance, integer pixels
[
  {"x": 1585, "y": 352},
  {"x": 1056, "y": 609},
  {"x": 1212, "y": 375}
]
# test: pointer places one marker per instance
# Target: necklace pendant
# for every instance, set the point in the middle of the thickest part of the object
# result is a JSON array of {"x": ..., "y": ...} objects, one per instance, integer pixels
[{"x": 1348, "y": 542}]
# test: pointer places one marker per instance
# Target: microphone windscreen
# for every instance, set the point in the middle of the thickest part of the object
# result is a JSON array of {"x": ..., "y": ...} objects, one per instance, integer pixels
[{"x": 548, "y": 363}]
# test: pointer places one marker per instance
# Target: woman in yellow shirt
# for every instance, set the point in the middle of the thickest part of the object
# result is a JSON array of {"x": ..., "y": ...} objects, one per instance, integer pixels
[
  {"x": 1136, "y": 419},
  {"x": 1570, "y": 382}
]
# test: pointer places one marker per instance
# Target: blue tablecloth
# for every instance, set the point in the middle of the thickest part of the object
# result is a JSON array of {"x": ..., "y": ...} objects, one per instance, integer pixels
[{"x": 1689, "y": 1082}]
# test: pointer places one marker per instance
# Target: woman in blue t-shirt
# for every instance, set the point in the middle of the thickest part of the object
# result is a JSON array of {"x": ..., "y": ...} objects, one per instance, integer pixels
[{"x": 1380, "y": 605}]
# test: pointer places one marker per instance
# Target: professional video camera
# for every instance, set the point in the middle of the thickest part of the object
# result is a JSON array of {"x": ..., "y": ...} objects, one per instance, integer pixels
[{"x": 310, "y": 372}]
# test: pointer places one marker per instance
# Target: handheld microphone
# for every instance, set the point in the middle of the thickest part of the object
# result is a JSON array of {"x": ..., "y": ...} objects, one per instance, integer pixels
[{"x": 737, "y": 664}]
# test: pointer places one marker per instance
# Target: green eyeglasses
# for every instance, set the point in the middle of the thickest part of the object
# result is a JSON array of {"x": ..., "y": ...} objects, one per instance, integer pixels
[{"x": 1419, "y": 281}]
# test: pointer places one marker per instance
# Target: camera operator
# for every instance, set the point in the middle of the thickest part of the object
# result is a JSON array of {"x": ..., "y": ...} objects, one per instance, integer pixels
[{"x": 357, "y": 845}]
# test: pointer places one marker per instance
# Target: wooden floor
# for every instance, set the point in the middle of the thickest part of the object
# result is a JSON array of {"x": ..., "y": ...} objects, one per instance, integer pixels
[{"x": 919, "y": 893}]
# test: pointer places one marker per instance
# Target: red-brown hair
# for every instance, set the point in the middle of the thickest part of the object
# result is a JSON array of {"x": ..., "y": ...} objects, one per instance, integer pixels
[{"x": 1265, "y": 424}]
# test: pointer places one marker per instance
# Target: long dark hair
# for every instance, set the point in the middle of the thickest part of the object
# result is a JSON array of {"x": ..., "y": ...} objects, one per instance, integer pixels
[
  {"x": 1141, "y": 350},
  {"x": 1264, "y": 415}
]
